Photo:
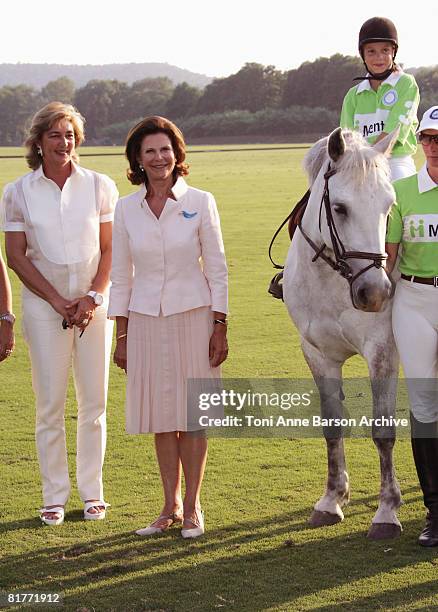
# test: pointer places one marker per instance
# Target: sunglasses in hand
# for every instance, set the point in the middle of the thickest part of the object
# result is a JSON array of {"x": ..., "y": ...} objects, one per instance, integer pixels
[{"x": 65, "y": 326}]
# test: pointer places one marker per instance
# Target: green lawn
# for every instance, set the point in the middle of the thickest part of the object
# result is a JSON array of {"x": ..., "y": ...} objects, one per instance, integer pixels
[{"x": 258, "y": 552}]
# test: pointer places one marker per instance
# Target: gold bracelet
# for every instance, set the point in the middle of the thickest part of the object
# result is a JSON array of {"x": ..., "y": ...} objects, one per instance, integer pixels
[{"x": 121, "y": 336}]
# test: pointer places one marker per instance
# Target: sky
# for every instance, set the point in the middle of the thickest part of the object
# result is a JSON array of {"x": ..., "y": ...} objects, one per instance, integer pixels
[{"x": 212, "y": 38}]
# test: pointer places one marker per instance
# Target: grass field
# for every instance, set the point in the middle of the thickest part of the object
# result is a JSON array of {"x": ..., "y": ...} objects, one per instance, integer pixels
[{"x": 258, "y": 552}]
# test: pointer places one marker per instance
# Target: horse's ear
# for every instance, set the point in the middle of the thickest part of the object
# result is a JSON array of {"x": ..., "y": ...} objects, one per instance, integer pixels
[
  {"x": 336, "y": 144},
  {"x": 385, "y": 145}
]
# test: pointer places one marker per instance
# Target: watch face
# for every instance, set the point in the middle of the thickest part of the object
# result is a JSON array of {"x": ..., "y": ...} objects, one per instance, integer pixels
[{"x": 96, "y": 297}]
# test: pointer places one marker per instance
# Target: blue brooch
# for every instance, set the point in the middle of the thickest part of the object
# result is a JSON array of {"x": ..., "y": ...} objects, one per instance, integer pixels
[{"x": 188, "y": 215}]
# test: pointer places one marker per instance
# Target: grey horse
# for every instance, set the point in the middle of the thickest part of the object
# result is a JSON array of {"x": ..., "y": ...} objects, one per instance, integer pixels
[{"x": 345, "y": 310}]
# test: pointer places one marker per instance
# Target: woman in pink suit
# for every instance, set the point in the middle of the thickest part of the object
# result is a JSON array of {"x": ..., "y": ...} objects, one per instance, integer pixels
[{"x": 169, "y": 298}]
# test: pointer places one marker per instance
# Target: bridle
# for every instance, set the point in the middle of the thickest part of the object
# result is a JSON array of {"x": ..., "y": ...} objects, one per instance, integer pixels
[{"x": 341, "y": 256}]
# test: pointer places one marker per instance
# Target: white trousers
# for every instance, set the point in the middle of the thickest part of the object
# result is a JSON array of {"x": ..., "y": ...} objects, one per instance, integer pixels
[
  {"x": 401, "y": 167},
  {"x": 415, "y": 326},
  {"x": 52, "y": 351}
]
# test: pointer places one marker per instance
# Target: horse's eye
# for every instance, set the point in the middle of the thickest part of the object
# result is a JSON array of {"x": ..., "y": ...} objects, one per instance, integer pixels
[{"x": 341, "y": 209}]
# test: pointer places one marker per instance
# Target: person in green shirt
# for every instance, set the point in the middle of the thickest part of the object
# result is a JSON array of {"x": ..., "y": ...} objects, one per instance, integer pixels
[
  {"x": 413, "y": 223},
  {"x": 385, "y": 98}
]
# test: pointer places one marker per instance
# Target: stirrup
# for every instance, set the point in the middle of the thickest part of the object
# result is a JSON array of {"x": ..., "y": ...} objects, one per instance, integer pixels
[{"x": 276, "y": 286}]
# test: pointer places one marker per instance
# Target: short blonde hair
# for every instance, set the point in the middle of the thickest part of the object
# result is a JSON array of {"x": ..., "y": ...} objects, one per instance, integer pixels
[{"x": 43, "y": 121}]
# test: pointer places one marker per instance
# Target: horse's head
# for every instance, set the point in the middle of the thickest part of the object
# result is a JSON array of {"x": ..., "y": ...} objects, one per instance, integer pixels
[{"x": 360, "y": 197}]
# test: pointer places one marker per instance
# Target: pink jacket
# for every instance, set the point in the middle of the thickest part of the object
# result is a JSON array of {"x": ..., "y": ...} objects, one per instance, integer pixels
[{"x": 171, "y": 264}]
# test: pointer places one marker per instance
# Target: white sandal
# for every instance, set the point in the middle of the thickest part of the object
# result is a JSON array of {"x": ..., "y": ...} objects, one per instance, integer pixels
[
  {"x": 55, "y": 510},
  {"x": 95, "y": 516}
]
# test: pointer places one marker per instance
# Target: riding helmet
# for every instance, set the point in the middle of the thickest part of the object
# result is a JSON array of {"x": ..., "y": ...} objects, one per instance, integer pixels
[{"x": 378, "y": 29}]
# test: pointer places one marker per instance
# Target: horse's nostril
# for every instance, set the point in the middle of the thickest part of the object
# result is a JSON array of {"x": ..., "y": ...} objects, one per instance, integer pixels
[{"x": 362, "y": 294}]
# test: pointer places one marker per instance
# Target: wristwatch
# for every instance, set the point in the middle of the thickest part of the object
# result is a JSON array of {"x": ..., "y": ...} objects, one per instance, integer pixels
[
  {"x": 96, "y": 297},
  {"x": 8, "y": 316}
]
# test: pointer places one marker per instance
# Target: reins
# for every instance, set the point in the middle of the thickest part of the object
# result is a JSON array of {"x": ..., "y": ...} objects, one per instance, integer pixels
[
  {"x": 341, "y": 256},
  {"x": 294, "y": 218}
]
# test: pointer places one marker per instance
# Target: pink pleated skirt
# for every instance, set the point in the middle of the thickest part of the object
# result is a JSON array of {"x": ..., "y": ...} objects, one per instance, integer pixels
[{"x": 163, "y": 354}]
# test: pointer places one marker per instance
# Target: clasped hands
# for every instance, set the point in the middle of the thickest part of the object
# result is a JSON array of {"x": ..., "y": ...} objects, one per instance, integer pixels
[{"x": 79, "y": 311}]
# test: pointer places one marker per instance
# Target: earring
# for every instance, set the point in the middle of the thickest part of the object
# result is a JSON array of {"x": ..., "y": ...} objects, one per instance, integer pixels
[
  {"x": 141, "y": 168},
  {"x": 39, "y": 150}
]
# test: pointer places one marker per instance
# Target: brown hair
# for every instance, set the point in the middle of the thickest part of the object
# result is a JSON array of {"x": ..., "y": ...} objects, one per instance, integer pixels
[
  {"x": 44, "y": 120},
  {"x": 154, "y": 125}
]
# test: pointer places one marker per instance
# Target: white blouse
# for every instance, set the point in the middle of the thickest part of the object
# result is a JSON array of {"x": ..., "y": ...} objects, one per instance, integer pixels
[{"x": 61, "y": 225}]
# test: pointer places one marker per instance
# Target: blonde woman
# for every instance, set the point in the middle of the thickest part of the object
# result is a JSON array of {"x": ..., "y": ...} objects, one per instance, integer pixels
[{"x": 58, "y": 241}]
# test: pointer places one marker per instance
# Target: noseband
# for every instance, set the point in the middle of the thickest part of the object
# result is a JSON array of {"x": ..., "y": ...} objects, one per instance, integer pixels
[{"x": 341, "y": 255}]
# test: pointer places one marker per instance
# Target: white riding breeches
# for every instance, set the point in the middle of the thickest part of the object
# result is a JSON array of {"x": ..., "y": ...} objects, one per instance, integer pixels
[
  {"x": 401, "y": 167},
  {"x": 415, "y": 326},
  {"x": 52, "y": 351}
]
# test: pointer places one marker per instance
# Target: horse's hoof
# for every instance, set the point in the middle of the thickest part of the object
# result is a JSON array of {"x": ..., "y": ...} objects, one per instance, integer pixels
[
  {"x": 384, "y": 531},
  {"x": 320, "y": 519}
]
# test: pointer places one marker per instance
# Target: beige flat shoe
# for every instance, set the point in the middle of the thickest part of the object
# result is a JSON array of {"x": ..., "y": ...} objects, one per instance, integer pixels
[
  {"x": 172, "y": 519},
  {"x": 198, "y": 528}
]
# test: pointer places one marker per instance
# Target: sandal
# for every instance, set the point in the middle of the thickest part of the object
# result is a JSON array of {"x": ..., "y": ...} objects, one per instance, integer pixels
[
  {"x": 198, "y": 522},
  {"x": 100, "y": 506},
  {"x": 173, "y": 518},
  {"x": 52, "y": 521}
]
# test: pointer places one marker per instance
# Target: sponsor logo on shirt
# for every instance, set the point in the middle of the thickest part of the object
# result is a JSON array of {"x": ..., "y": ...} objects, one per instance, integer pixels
[
  {"x": 420, "y": 228},
  {"x": 371, "y": 124},
  {"x": 390, "y": 97}
]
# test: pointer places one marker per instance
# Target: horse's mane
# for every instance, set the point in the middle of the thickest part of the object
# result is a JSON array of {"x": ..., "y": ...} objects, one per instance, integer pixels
[{"x": 359, "y": 159}]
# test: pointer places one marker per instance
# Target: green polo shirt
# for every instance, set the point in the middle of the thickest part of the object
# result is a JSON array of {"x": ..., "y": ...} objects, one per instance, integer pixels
[
  {"x": 373, "y": 112},
  {"x": 413, "y": 221}
]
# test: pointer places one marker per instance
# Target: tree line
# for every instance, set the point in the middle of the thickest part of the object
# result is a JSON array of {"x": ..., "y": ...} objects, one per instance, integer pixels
[{"x": 257, "y": 100}]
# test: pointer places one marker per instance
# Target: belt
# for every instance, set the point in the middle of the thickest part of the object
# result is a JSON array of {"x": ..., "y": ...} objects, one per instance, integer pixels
[{"x": 433, "y": 280}]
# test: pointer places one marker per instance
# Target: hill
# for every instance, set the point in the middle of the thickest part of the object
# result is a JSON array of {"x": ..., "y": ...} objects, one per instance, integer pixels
[{"x": 38, "y": 75}]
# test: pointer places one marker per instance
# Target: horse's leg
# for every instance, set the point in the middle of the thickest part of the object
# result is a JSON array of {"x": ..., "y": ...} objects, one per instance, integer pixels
[
  {"x": 327, "y": 375},
  {"x": 383, "y": 367}
]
